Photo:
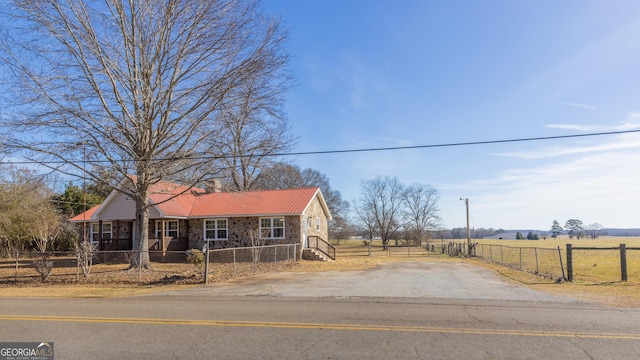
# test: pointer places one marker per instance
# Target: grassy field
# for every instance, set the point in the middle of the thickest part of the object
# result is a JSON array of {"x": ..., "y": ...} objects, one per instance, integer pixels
[{"x": 589, "y": 266}]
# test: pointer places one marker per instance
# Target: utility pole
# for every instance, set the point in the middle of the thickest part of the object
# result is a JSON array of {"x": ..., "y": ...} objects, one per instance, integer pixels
[{"x": 466, "y": 202}]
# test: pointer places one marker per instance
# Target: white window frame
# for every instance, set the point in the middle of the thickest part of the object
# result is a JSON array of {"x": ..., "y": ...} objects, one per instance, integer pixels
[
  {"x": 167, "y": 229},
  {"x": 216, "y": 229},
  {"x": 318, "y": 223},
  {"x": 271, "y": 227},
  {"x": 96, "y": 225}
]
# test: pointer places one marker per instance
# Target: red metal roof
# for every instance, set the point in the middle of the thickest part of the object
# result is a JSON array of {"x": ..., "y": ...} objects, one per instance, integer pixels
[
  {"x": 252, "y": 203},
  {"x": 175, "y": 200},
  {"x": 85, "y": 216}
]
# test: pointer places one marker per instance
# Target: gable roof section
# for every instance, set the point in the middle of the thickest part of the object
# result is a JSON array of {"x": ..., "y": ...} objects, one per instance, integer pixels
[
  {"x": 255, "y": 203},
  {"x": 85, "y": 216},
  {"x": 173, "y": 200}
]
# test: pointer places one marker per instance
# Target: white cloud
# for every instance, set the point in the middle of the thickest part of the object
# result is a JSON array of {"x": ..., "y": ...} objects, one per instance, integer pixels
[
  {"x": 583, "y": 128},
  {"x": 594, "y": 187},
  {"x": 578, "y": 105},
  {"x": 617, "y": 143}
]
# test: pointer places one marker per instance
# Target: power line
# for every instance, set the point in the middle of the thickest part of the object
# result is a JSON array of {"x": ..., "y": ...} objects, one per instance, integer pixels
[
  {"x": 344, "y": 151},
  {"x": 465, "y": 143}
]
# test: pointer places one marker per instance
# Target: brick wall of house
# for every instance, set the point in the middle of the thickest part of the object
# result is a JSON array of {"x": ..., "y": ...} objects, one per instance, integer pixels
[
  {"x": 239, "y": 232},
  {"x": 313, "y": 213}
]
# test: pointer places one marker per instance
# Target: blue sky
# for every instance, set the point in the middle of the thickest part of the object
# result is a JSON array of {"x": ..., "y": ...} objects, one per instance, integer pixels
[{"x": 374, "y": 74}]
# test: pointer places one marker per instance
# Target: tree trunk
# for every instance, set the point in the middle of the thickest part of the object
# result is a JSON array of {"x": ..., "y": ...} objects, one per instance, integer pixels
[{"x": 141, "y": 243}]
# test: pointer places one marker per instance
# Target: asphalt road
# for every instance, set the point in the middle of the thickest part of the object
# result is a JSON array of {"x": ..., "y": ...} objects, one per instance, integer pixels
[{"x": 399, "y": 311}]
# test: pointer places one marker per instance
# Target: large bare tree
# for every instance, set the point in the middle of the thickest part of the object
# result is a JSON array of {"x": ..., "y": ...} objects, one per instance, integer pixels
[
  {"x": 136, "y": 86},
  {"x": 421, "y": 210},
  {"x": 380, "y": 205},
  {"x": 253, "y": 130}
]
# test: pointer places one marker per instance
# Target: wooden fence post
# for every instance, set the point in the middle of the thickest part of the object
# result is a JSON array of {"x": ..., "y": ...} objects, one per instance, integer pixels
[
  {"x": 535, "y": 250},
  {"x": 623, "y": 261},
  {"x": 206, "y": 263},
  {"x": 561, "y": 266},
  {"x": 569, "y": 263}
]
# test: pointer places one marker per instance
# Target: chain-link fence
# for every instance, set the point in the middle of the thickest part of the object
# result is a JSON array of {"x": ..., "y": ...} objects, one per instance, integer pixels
[
  {"x": 401, "y": 248},
  {"x": 225, "y": 263},
  {"x": 163, "y": 267},
  {"x": 541, "y": 261}
]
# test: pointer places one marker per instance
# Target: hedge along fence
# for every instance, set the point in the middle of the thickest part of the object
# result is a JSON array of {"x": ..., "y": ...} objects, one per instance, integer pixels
[{"x": 541, "y": 261}]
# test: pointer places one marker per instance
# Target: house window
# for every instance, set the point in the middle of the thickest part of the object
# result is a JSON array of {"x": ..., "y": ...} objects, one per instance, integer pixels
[
  {"x": 318, "y": 223},
  {"x": 272, "y": 228},
  {"x": 170, "y": 228},
  {"x": 106, "y": 231},
  {"x": 215, "y": 229}
]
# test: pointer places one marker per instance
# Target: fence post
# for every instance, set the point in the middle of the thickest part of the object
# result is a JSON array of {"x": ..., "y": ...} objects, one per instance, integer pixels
[
  {"x": 234, "y": 262},
  {"x": 490, "y": 253},
  {"x": 561, "y": 266},
  {"x": 501, "y": 256},
  {"x": 17, "y": 264},
  {"x": 275, "y": 254},
  {"x": 535, "y": 250},
  {"x": 623, "y": 261},
  {"x": 569, "y": 263},
  {"x": 206, "y": 263},
  {"x": 520, "y": 259},
  {"x": 139, "y": 266}
]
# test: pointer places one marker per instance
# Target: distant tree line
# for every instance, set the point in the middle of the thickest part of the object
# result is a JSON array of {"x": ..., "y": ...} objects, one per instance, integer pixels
[{"x": 576, "y": 228}]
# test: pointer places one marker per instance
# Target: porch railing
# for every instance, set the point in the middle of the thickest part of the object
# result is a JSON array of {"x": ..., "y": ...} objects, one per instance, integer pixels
[{"x": 318, "y": 243}]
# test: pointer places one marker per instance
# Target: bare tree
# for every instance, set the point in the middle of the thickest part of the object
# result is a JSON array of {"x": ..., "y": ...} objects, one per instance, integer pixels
[
  {"x": 280, "y": 175},
  {"x": 421, "y": 210},
  {"x": 253, "y": 130},
  {"x": 136, "y": 86},
  {"x": 594, "y": 230},
  {"x": 381, "y": 202}
]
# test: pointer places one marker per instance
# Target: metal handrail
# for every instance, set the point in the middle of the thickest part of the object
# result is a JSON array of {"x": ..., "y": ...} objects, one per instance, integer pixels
[{"x": 322, "y": 246}]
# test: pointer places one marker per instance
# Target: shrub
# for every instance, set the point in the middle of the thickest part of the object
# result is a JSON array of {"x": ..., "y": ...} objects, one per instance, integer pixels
[{"x": 195, "y": 256}]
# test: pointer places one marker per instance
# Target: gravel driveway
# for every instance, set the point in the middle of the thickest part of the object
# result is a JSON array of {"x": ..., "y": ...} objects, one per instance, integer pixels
[{"x": 398, "y": 280}]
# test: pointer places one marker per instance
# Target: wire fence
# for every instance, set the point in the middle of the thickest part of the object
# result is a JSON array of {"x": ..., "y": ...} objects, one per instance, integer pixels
[
  {"x": 546, "y": 262},
  {"x": 400, "y": 248},
  {"x": 165, "y": 267},
  {"x": 603, "y": 264}
]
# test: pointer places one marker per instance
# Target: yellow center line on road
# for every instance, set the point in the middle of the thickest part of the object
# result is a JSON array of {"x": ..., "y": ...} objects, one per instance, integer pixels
[{"x": 343, "y": 327}]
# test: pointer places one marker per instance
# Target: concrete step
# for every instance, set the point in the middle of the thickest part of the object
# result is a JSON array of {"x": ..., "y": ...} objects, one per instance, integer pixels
[{"x": 314, "y": 255}]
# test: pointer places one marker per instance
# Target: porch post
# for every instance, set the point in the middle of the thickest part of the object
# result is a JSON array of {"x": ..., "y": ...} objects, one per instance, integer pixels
[
  {"x": 131, "y": 230},
  {"x": 186, "y": 227},
  {"x": 164, "y": 248},
  {"x": 116, "y": 235},
  {"x": 101, "y": 245}
]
